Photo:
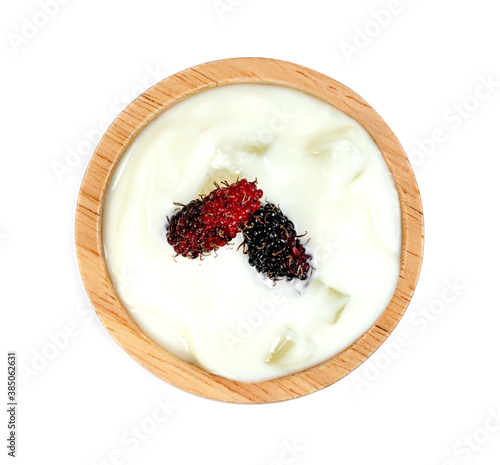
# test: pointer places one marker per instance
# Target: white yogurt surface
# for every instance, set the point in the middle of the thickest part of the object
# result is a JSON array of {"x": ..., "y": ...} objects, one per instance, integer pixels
[{"x": 328, "y": 177}]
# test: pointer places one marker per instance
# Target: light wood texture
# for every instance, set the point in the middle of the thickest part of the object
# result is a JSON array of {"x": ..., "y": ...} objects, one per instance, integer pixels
[{"x": 89, "y": 216}]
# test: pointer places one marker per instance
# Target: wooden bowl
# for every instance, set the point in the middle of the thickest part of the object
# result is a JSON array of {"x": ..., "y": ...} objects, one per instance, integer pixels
[{"x": 89, "y": 244}]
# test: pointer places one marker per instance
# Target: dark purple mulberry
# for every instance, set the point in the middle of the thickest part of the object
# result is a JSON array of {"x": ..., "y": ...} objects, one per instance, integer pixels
[{"x": 273, "y": 246}]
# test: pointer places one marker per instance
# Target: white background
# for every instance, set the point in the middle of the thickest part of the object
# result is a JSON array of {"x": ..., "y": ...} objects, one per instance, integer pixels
[{"x": 433, "y": 400}]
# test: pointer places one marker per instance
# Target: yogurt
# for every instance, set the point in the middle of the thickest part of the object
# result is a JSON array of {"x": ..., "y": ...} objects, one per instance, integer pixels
[{"x": 328, "y": 177}]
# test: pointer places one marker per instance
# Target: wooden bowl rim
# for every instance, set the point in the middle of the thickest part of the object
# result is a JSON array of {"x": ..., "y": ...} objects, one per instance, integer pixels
[{"x": 113, "y": 145}]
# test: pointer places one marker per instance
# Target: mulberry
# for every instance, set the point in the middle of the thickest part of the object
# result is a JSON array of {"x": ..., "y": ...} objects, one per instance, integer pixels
[
  {"x": 204, "y": 225},
  {"x": 273, "y": 246}
]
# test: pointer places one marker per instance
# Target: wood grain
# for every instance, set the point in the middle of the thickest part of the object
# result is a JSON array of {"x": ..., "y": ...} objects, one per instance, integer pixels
[{"x": 89, "y": 221}]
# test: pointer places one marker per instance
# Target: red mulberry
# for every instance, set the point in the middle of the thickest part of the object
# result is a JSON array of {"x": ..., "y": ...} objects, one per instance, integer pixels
[{"x": 204, "y": 225}]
